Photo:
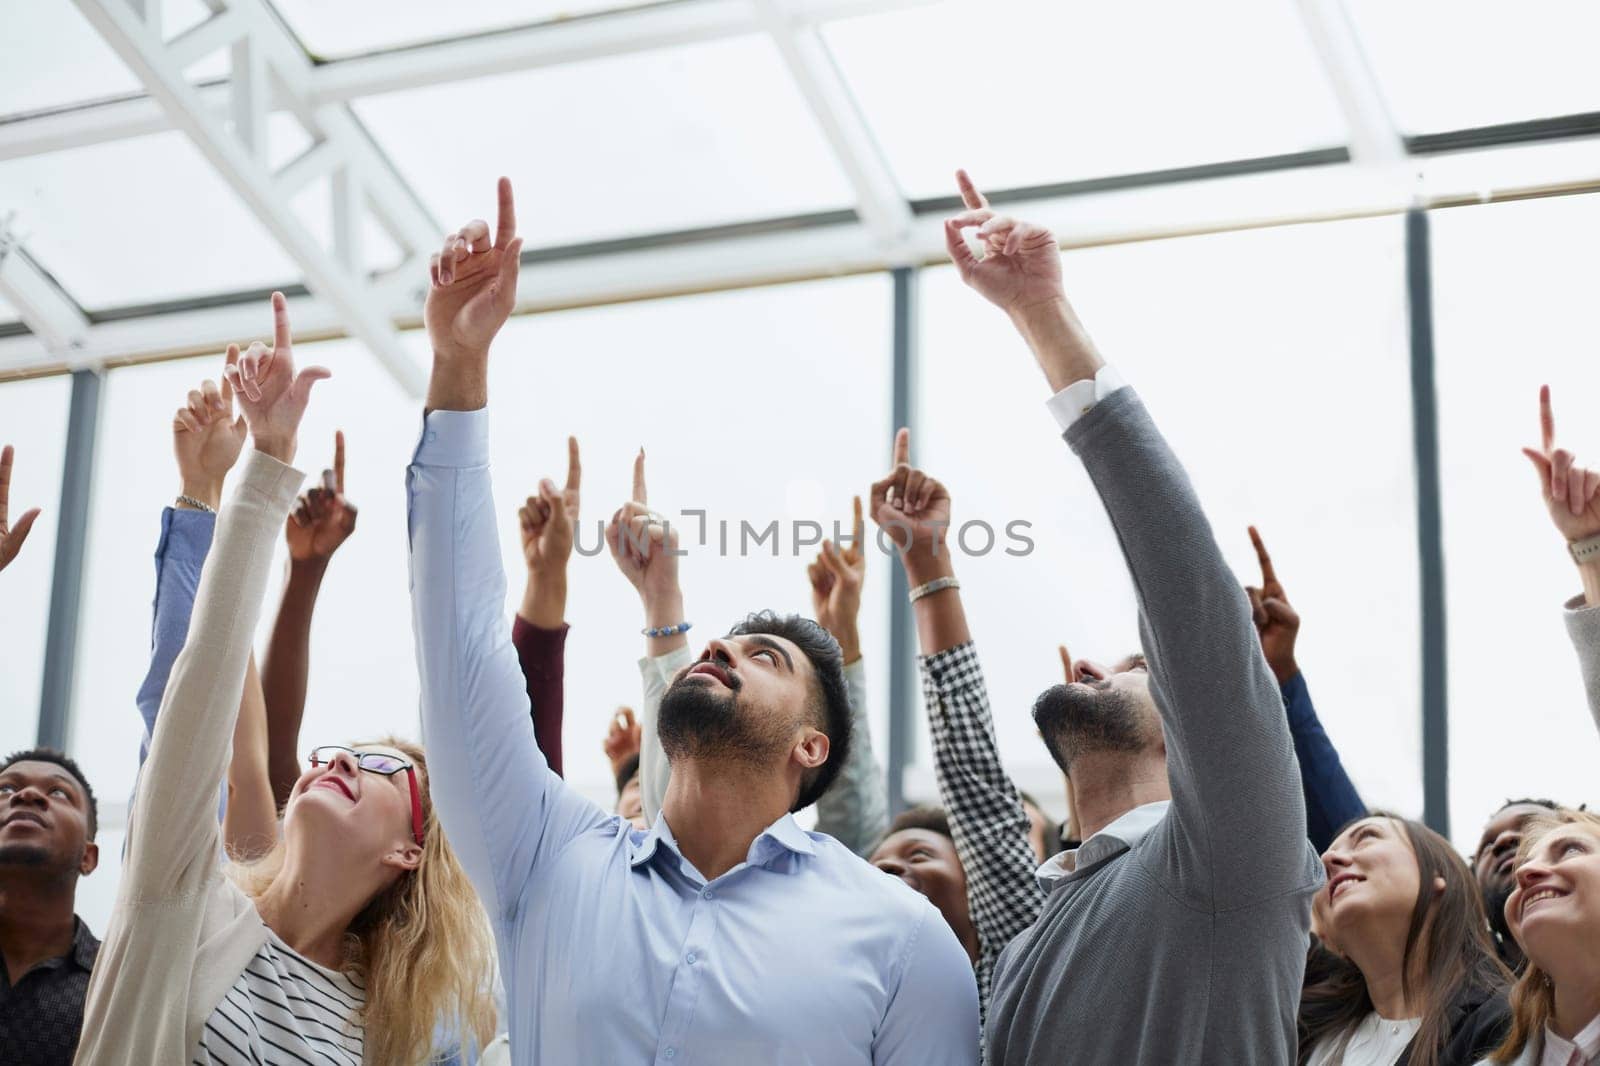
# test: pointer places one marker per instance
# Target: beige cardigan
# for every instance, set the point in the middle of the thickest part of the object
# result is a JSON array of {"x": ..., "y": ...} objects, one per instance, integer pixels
[{"x": 181, "y": 933}]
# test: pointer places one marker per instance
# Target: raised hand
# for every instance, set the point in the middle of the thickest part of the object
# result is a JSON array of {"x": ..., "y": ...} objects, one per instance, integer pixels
[
  {"x": 473, "y": 289},
  {"x": 323, "y": 519},
  {"x": 645, "y": 549},
  {"x": 1021, "y": 265},
  {"x": 836, "y": 579},
  {"x": 207, "y": 438},
  {"x": 549, "y": 519},
  {"x": 11, "y": 537},
  {"x": 913, "y": 510},
  {"x": 1571, "y": 492},
  {"x": 622, "y": 738},
  {"x": 1276, "y": 621},
  {"x": 271, "y": 394}
]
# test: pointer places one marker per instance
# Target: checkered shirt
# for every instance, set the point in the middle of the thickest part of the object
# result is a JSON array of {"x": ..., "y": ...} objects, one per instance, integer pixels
[{"x": 986, "y": 815}]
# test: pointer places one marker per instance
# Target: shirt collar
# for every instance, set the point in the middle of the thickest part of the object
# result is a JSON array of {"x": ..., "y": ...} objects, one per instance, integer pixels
[
  {"x": 1585, "y": 1046},
  {"x": 1123, "y": 834},
  {"x": 84, "y": 944},
  {"x": 781, "y": 837}
]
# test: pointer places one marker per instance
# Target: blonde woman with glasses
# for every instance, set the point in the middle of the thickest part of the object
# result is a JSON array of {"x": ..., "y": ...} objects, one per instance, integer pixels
[{"x": 357, "y": 933}]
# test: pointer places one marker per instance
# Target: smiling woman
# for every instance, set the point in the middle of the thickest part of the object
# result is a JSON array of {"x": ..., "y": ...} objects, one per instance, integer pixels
[
  {"x": 1416, "y": 980},
  {"x": 1555, "y": 915}
]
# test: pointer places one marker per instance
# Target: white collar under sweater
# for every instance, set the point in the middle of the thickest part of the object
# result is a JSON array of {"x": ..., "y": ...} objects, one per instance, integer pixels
[{"x": 1123, "y": 834}]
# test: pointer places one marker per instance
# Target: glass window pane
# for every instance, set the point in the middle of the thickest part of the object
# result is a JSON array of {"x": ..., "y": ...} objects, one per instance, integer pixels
[
  {"x": 832, "y": 336},
  {"x": 33, "y": 420},
  {"x": 1255, "y": 351},
  {"x": 1087, "y": 90},
  {"x": 329, "y": 30},
  {"x": 609, "y": 148},
  {"x": 1454, "y": 64},
  {"x": 1513, "y": 289},
  {"x": 778, "y": 414},
  {"x": 50, "y": 56},
  {"x": 139, "y": 220}
]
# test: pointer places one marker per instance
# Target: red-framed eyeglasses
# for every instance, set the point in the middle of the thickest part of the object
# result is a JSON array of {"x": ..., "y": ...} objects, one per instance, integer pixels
[{"x": 378, "y": 762}]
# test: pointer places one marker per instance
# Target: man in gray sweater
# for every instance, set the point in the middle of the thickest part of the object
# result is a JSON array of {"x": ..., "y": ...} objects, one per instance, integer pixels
[{"x": 1177, "y": 932}]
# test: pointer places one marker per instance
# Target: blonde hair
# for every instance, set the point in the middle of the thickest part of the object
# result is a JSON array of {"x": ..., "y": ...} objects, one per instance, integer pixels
[
  {"x": 422, "y": 946},
  {"x": 1533, "y": 997}
]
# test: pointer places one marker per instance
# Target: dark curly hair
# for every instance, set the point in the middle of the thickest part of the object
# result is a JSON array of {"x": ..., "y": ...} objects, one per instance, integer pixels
[{"x": 67, "y": 763}]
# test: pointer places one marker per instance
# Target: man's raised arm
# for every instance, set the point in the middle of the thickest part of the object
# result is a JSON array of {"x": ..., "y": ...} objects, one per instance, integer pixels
[
  {"x": 1238, "y": 814},
  {"x": 496, "y": 796},
  {"x": 987, "y": 822},
  {"x": 1331, "y": 797},
  {"x": 645, "y": 548},
  {"x": 1571, "y": 494}
]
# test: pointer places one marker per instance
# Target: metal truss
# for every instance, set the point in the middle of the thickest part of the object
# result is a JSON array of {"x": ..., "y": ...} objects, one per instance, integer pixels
[
  {"x": 60, "y": 328},
  {"x": 269, "y": 64}
]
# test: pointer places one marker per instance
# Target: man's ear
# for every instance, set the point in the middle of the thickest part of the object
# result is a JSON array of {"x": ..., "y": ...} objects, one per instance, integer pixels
[
  {"x": 408, "y": 857},
  {"x": 811, "y": 751},
  {"x": 91, "y": 859}
]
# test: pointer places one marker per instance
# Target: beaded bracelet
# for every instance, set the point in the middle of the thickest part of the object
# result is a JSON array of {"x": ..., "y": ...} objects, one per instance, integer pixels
[
  {"x": 198, "y": 505},
  {"x": 938, "y": 584},
  {"x": 667, "y": 631}
]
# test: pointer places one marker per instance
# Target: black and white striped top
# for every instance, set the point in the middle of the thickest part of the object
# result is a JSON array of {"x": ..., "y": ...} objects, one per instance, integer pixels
[{"x": 284, "y": 1010}]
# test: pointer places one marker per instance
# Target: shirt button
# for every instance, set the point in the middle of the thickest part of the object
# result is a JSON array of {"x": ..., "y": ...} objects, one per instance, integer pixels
[
  {"x": 708, "y": 894},
  {"x": 432, "y": 435},
  {"x": 691, "y": 958},
  {"x": 672, "y": 1052}
]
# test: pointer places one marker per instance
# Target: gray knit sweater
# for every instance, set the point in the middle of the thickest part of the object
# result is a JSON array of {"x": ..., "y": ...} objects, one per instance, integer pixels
[
  {"x": 1189, "y": 948},
  {"x": 1583, "y": 626}
]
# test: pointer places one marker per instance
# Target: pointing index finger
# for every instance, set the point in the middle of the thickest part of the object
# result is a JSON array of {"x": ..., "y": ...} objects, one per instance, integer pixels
[
  {"x": 857, "y": 529},
  {"x": 1268, "y": 577},
  {"x": 969, "y": 192},
  {"x": 506, "y": 224},
  {"x": 338, "y": 460},
  {"x": 639, "y": 493},
  {"x": 1547, "y": 419},
  {"x": 280, "y": 323},
  {"x": 6, "y": 455},
  {"x": 902, "y": 447},
  {"x": 574, "y": 468}
]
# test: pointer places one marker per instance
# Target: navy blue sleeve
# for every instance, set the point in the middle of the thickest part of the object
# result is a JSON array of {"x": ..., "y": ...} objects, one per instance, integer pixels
[{"x": 1331, "y": 798}]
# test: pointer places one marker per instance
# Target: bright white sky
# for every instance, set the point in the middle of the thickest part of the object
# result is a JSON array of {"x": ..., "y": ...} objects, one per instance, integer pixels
[{"x": 1274, "y": 359}]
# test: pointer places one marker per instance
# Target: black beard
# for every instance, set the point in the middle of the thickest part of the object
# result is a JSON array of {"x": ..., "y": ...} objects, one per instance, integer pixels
[
  {"x": 29, "y": 855},
  {"x": 697, "y": 721},
  {"x": 1077, "y": 720}
]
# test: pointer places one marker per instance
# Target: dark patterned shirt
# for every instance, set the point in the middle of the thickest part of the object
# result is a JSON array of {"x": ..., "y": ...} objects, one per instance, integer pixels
[
  {"x": 987, "y": 821},
  {"x": 42, "y": 1014}
]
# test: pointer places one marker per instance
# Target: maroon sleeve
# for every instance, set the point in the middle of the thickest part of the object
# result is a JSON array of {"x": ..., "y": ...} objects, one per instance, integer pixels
[{"x": 542, "y": 653}]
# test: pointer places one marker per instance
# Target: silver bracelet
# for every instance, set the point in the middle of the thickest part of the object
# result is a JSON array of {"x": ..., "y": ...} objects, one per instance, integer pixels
[
  {"x": 198, "y": 505},
  {"x": 1584, "y": 550},
  {"x": 938, "y": 584}
]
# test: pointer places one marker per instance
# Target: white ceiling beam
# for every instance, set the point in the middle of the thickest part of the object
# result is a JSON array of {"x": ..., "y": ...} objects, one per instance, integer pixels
[
  {"x": 1375, "y": 140},
  {"x": 263, "y": 57},
  {"x": 879, "y": 200},
  {"x": 58, "y": 324},
  {"x": 438, "y": 63},
  {"x": 1310, "y": 194}
]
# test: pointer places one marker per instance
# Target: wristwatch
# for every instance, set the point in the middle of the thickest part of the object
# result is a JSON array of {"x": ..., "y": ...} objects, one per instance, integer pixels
[{"x": 1585, "y": 550}]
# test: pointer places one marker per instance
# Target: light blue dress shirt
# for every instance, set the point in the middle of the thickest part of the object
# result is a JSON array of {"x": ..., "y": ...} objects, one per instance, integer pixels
[{"x": 614, "y": 950}]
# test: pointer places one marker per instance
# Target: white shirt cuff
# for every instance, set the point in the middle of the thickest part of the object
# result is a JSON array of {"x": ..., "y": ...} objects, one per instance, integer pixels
[{"x": 1074, "y": 401}]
